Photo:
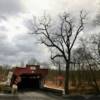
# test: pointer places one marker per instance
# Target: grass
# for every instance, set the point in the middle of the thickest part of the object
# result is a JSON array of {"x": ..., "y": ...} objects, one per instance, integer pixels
[{"x": 5, "y": 89}]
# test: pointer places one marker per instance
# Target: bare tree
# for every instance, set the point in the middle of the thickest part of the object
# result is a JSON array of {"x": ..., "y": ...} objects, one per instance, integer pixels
[
  {"x": 96, "y": 20},
  {"x": 95, "y": 44},
  {"x": 89, "y": 59},
  {"x": 61, "y": 38},
  {"x": 58, "y": 64},
  {"x": 33, "y": 61}
]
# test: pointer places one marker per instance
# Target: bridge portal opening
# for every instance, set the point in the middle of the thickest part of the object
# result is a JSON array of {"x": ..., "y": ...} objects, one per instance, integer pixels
[{"x": 29, "y": 82}]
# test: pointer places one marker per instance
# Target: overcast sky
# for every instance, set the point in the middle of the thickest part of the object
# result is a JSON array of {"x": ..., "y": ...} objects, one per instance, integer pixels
[{"x": 16, "y": 45}]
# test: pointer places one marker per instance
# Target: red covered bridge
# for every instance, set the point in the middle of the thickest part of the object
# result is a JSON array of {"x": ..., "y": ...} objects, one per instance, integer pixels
[{"x": 29, "y": 77}]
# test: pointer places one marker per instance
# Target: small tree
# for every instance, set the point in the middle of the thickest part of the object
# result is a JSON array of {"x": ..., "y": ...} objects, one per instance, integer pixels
[
  {"x": 88, "y": 58},
  {"x": 61, "y": 38},
  {"x": 33, "y": 61}
]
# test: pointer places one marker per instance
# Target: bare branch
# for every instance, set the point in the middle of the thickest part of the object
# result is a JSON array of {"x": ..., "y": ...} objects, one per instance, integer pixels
[
  {"x": 48, "y": 45},
  {"x": 59, "y": 39},
  {"x": 81, "y": 27},
  {"x": 56, "y": 56}
]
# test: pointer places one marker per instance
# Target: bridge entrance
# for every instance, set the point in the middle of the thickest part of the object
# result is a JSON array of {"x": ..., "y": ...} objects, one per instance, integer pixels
[{"x": 29, "y": 82}]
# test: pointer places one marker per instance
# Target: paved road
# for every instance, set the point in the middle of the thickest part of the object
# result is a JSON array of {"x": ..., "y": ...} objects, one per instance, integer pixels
[
  {"x": 37, "y": 95},
  {"x": 44, "y": 96}
]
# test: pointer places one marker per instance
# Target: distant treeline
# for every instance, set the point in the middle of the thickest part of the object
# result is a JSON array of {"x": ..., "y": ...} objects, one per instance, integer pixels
[{"x": 74, "y": 75}]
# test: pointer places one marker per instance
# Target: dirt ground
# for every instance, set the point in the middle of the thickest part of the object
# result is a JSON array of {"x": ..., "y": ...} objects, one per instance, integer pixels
[
  {"x": 53, "y": 84},
  {"x": 84, "y": 88}
]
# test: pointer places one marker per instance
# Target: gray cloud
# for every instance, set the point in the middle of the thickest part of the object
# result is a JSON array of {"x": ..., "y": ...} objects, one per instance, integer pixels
[
  {"x": 29, "y": 48},
  {"x": 15, "y": 44},
  {"x": 7, "y": 48},
  {"x": 22, "y": 48},
  {"x": 10, "y": 7},
  {"x": 24, "y": 42}
]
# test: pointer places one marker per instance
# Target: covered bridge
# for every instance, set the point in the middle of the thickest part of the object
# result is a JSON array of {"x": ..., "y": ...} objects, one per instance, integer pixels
[{"x": 30, "y": 77}]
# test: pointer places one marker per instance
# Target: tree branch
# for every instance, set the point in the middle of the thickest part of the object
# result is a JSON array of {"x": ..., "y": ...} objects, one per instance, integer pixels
[
  {"x": 81, "y": 27},
  {"x": 56, "y": 56}
]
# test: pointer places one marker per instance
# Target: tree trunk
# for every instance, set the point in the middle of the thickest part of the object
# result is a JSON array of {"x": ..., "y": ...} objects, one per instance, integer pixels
[
  {"x": 94, "y": 79},
  {"x": 79, "y": 76},
  {"x": 59, "y": 70},
  {"x": 66, "y": 85},
  {"x": 93, "y": 76}
]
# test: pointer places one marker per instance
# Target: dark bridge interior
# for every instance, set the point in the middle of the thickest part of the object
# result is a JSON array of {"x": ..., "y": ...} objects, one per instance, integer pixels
[{"x": 29, "y": 82}]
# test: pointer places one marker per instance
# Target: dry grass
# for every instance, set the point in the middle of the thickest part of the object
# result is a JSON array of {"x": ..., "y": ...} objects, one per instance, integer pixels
[{"x": 84, "y": 88}]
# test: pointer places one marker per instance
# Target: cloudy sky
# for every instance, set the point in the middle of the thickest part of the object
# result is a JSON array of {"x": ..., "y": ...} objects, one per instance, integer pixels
[{"x": 16, "y": 45}]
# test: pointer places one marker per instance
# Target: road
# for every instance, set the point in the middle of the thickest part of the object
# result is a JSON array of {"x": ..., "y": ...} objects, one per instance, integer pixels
[{"x": 38, "y": 95}]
